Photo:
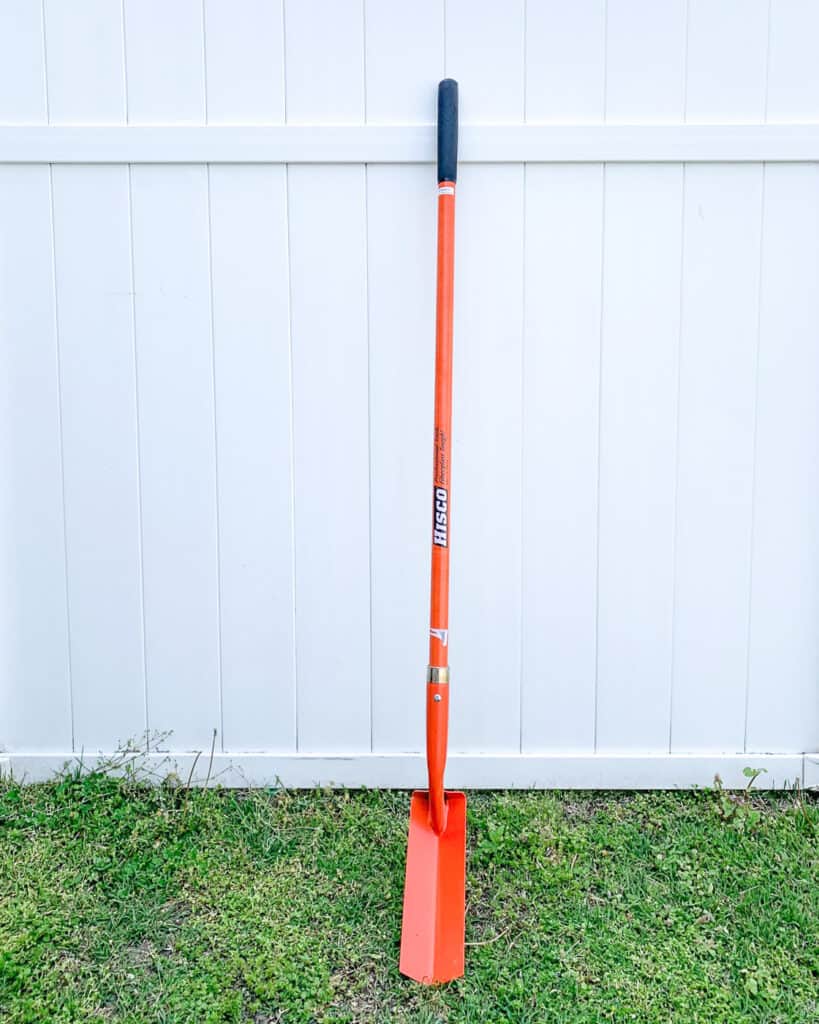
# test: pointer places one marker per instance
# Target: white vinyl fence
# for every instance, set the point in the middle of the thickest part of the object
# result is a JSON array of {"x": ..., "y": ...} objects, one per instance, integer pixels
[{"x": 216, "y": 335}]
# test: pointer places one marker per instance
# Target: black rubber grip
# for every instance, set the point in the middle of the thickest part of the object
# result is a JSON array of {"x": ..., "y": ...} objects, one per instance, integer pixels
[{"x": 447, "y": 130}]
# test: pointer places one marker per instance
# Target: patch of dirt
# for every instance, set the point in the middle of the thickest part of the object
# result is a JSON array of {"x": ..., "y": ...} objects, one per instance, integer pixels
[{"x": 140, "y": 956}]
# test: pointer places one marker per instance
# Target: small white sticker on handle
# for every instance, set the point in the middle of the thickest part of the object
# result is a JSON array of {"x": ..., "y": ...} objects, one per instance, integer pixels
[{"x": 446, "y": 190}]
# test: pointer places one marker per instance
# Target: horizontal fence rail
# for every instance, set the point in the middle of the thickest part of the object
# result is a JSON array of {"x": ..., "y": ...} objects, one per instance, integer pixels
[{"x": 405, "y": 144}]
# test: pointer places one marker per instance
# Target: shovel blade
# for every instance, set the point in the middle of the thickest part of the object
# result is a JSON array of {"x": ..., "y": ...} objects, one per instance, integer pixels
[{"x": 432, "y": 935}]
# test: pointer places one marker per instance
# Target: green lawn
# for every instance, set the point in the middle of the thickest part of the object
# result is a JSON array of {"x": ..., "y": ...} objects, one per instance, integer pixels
[{"x": 125, "y": 903}]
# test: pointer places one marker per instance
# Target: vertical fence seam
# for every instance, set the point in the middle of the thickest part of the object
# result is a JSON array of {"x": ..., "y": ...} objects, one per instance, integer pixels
[
  {"x": 758, "y": 346},
  {"x": 523, "y": 335},
  {"x": 680, "y": 314},
  {"x": 602, "y": 294},
  {"x": 292, "y": 407},
  {"x": 218, "y": 546},
  {"x": 47, "y": 100},
  {"x": 60, "y": 435}
]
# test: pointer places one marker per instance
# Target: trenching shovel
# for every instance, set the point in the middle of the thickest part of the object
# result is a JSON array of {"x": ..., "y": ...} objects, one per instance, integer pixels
[{"x": 432, "y": 935}]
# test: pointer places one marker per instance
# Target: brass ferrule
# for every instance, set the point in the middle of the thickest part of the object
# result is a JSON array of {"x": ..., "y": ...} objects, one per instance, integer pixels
[{"x": 438, "y": 674}]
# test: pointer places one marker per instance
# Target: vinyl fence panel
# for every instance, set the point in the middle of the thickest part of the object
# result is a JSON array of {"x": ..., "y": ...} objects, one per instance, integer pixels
[{"x": 216, "y": 338}]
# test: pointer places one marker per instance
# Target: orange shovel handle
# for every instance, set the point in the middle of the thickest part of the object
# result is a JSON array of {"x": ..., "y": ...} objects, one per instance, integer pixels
[
  {"x": 439, "y": 590},
  {"x": 438, "y": 676}
]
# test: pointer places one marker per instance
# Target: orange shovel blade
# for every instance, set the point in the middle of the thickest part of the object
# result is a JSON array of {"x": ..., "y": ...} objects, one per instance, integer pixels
[{"x": 432, "y": 936}]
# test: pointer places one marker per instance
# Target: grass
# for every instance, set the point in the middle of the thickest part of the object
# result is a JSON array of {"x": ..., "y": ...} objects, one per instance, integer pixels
[{"x": 124, "y": 903}]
